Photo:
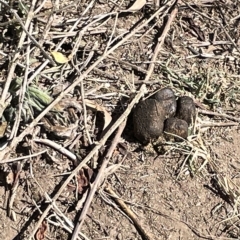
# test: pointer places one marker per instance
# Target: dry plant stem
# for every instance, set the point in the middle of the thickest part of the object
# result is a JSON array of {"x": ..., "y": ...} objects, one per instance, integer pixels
[
  {"x": 160, "y": 42},
  {"x": 13, "y": 62},
  {"x": 22, "y": 91},
  {"x": 219, "y": 124},
  {"x": 74, "y": 84},
  {"x": 111, "y": 36},
  {"x": 141, "y": 92},
  {"x": 23, "y": 158},
  {"x": 83, "y": 95},
  {"x": 98, "y": 180},
  {"x": 129, "y": 64},
  {"x": 130, "y": 214},
  {"x": 57, "y": 147},
  {"x": 85, "y": 114},
  {"x": 207, "y": 112}
]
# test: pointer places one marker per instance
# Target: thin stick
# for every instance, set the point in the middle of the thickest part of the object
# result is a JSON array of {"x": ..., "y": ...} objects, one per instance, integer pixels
[
  {"x": 97, "y": 181},
  {"x": 160, "y": 42},
  {"x": 22, "y": 91},
  {"x": 58, "y": 147},
  {"x": 23, "y": 158},
  {"x": 130, "y": 214},
  {"x": 141, "y": 92},
  {"x": 228, "y": 124},
  {"x": 207, "y": 112}
]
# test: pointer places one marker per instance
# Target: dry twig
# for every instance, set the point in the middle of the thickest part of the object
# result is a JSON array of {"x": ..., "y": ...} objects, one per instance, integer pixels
[
  {"x": 161, "y": 41},
  {"x": 145, "y": 235},
  {"x": 98, "y": 180}
]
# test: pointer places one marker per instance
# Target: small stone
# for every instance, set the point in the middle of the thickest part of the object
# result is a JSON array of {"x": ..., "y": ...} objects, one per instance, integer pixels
[
  {"x": 148, "y": 118},
  {"x": 186, "y": 109},
  {"x": 177, "y": 127},
  {"x": 167, "y": 98}
]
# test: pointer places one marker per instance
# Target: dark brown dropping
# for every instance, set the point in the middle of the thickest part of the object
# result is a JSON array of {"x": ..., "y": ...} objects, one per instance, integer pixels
[
  {"x": 167, "y": 98},
  {"x": 186, "y": 109},
  {"x": 177, "y": 127},
  {"x": 148, "y": 118}
]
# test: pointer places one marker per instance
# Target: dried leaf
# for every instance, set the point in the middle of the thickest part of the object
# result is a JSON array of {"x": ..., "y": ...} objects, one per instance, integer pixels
[
  {"x": 82, "y": 181},
  {"x": 40, "y": 235},
  {"x": 107, "y": 116},
  {"x": 196, "y": 29},
  {"x": 139, "y": 4},
  {"x": 59, "y": 57}
]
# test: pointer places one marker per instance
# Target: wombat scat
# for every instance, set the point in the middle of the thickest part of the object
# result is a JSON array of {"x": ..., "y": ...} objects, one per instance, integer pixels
[
  {"x": 167, "y": 98},
  {"x": 186, "y": 109},
  {"x": 154, "y": 115},
  {"x": 175, "y": 126},
  {"x": 148, "y": 118}
]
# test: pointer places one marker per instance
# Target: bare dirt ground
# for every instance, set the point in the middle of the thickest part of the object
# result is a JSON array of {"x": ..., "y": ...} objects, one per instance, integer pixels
[{"x": 91, "y": 58}]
